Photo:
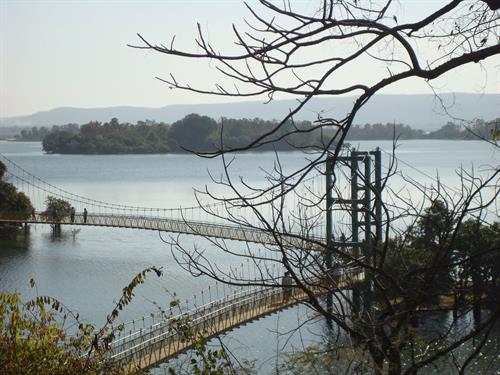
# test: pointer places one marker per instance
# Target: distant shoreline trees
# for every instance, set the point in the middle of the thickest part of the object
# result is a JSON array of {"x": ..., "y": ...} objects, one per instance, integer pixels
[
  {"x": 203, "y": 134},
  {"x": 12, "y": 203}
]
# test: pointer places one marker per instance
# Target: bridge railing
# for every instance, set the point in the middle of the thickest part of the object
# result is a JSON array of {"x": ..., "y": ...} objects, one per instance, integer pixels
[
  {"x": 177, "y": 333},
  {"x": 161, "y": 330},
  {"x": 203, "y": 228}
]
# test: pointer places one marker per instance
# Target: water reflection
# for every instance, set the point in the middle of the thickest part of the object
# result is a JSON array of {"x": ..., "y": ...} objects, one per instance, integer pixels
[{"x": 15, "y": 246}]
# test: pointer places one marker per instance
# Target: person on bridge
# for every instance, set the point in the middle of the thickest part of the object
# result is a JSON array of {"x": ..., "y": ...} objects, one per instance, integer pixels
[
  {"x": 287, "y": 282},
  {"x": 33, "y": 215},
  {"x": 72, "y": 214},
  {"x": 85, "y": 213}
]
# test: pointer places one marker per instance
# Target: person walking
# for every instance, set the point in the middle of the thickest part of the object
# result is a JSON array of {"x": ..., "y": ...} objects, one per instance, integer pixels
[
  {"x": 85, "y": 213},
  {"x": 33, "y": 214},
  {"x": 72, "y": 214},
  {"x": 286, "y": 282}
]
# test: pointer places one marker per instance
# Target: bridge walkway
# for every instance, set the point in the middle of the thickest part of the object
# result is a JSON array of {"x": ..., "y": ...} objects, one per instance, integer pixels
[
  {"x": 180, "y": 226},
  {"x": 147, "y": 348}
]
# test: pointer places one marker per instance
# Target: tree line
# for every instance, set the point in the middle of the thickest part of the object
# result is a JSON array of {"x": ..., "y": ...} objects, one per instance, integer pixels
[
  {"x": 12, "y": 201},
  {"x": 203, "y": 134}
]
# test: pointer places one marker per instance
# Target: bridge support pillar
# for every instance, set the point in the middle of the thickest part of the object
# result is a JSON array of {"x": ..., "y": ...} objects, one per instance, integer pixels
[
  {"x": 329, "y": 234},
  {"x": 353, "y": 163},
  {"x": 366, "y": 208}
]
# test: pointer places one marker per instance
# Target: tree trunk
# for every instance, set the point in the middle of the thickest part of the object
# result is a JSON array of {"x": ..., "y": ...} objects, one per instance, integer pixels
[
  {"x": 476, "y": 297},
  {"x": 394, "y": 361},
  {"x": 378, "y": 361}
]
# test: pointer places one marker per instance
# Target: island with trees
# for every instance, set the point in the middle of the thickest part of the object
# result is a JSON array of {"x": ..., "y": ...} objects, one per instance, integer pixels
[{"x": 203, "y": 134}]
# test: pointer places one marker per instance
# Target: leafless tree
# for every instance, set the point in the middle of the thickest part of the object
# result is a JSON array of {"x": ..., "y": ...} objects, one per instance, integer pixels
[{"x": 282, "y": 52}]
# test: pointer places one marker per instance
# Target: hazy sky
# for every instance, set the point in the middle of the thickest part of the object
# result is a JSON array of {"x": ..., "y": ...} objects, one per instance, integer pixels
[{"x": 74, "y": 53}]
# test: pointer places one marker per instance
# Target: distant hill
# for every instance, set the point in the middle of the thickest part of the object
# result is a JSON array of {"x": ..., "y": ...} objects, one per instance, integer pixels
[{"x": 418, "y": 111}]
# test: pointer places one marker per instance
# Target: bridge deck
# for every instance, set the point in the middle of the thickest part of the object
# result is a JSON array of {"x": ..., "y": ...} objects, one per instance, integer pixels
[
  {"x": 162, "y": 341},
  {"x": 199, "y": 228}
]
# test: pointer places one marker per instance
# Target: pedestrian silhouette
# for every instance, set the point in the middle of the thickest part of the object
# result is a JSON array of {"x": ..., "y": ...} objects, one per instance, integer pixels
[
  {"x": 72, "y": 214},
  {"x": 85, "y": 215},
  {"x": 286, "y": 282}
]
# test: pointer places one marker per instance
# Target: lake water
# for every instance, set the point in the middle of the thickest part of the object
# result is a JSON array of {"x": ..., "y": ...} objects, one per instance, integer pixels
[{"x": 88, "y": 272}]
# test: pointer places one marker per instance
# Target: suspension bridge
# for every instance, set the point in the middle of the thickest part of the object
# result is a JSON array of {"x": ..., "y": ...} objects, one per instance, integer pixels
[
  {"x": 307, "y": 225},
  {"x": 304, "y": 225},
  {"x": 152, "y": 343}
]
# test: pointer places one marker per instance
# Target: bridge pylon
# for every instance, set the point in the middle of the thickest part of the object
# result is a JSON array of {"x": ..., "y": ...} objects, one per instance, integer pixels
[{"x": 365, "y": 207}]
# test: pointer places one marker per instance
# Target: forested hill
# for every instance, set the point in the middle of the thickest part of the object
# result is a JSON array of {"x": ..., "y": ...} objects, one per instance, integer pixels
[
  {"x": 202, "y": 133},
  {"x": 418, "y": 111}
]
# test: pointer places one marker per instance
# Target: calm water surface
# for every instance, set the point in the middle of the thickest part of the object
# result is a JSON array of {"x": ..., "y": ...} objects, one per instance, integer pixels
[{"x": 88, "y": 272}]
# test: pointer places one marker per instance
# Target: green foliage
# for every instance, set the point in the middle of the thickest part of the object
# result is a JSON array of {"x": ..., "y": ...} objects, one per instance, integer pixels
[
  {"x": 471, "y": 244},
  {"x": 33, "y": 134},
  {"x": 495, "y": 133},
  {"x": 384, "y": 131},
  {"x": 441, "y": 255},
  {"x": 449, "y": 131},
  {"x": 478, "y": 129},
  {"x": 56, "y": 208},
  {"x": 476, "y": 250},
  {"x": 193, "y": 132},
  {"x": 489, "y": 130},
  {"x": 434, "y": 227},
  {"x": 203, "y": 134},
  {"x": 13, "y": 204},
  {"x": 110, "y": 138},
  {"x": 241, "y": 132},
  {"x": 33, "y": 340},
  {"x": 412, "y": 260}
]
